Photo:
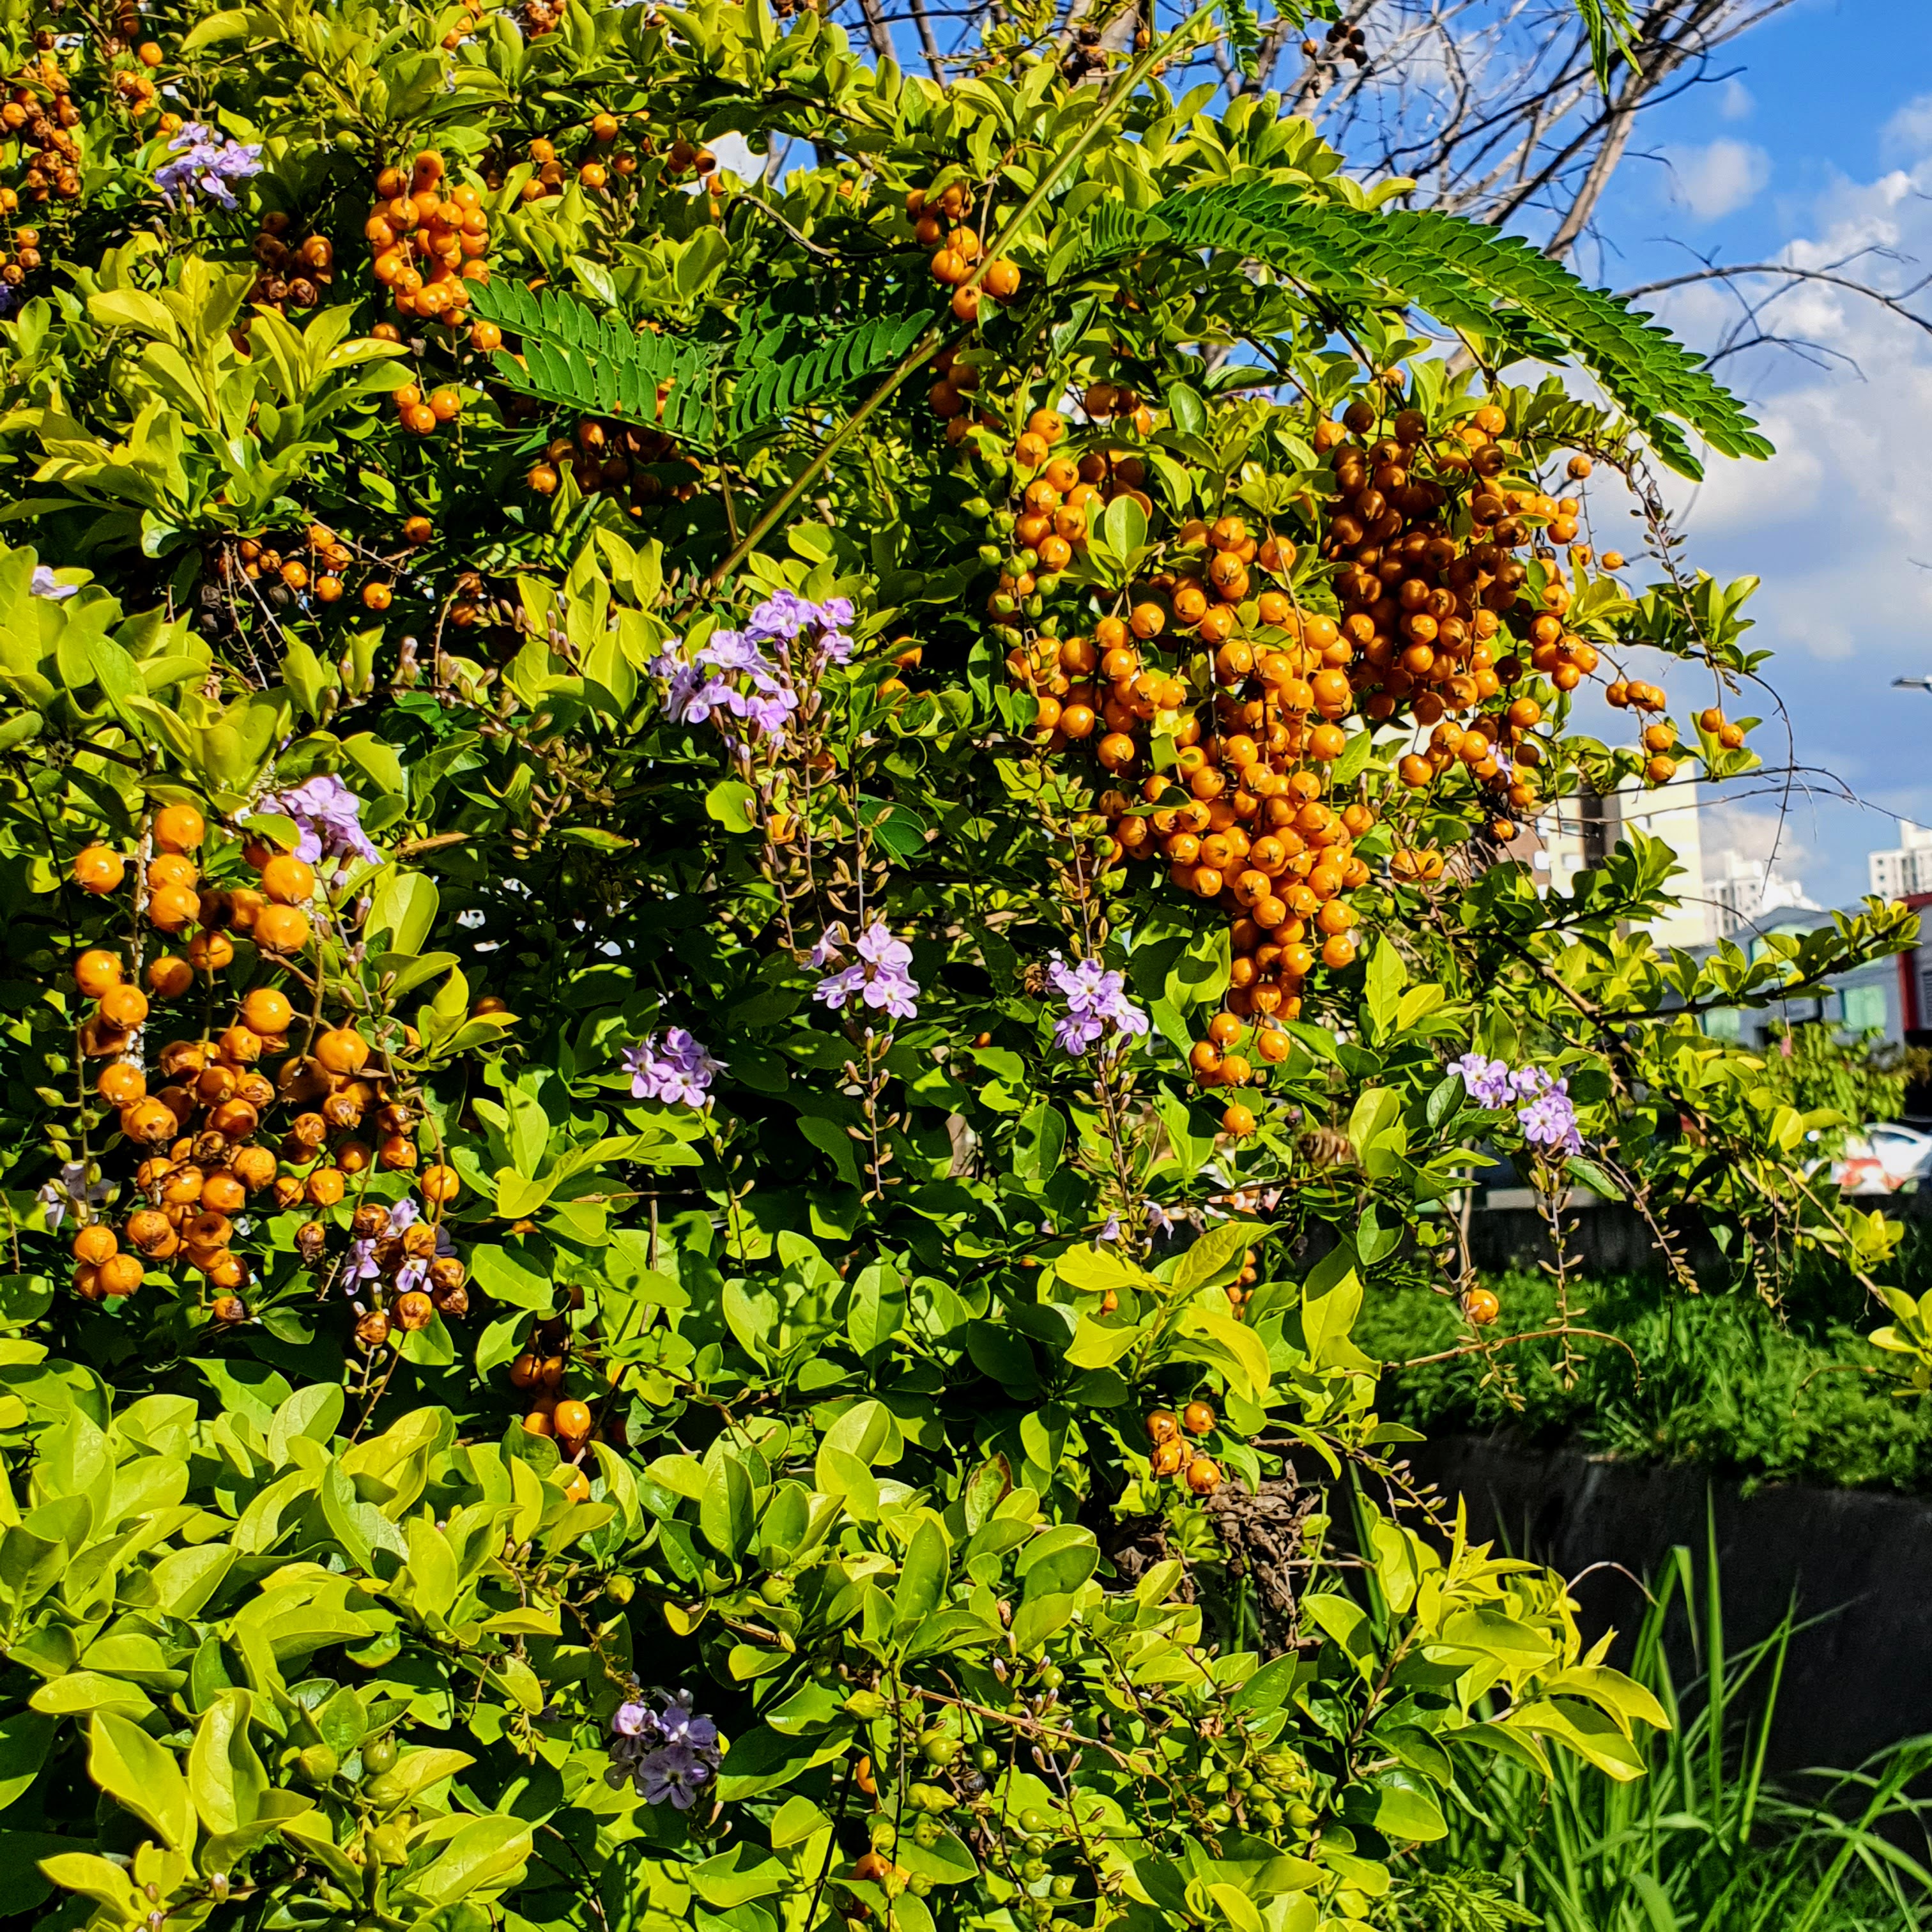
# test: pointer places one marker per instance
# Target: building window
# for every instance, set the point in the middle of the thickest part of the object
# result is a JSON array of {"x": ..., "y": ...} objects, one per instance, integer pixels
[
  {"x": 1865, "y": 1009},
  {"x": 1724, "y": 1023}
]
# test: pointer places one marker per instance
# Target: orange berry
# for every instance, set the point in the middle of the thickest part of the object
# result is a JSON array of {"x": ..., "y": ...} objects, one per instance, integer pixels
[
  {"x": 342, "y": 1050},
  {"x": 93, "y": 1244},
  {"x": 281, "y": 928},
  {"x": 288, "y": 879},
  {"x": 99, "y": 868},
  {"x": 121, "y": 1274},
  {"x": 179, "y": 828},
  {"x": 96, "y": 972},
  {"x": 1204, "y": 1475}
]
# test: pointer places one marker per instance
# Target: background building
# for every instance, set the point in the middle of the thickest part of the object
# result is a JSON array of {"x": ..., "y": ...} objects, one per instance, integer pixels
[{"x": 1907, "y": 867}]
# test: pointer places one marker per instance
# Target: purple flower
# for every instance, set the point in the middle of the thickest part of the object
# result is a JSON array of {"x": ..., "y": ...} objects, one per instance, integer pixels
[
  {"x": 411, "y": 1276},
  {"x": 1550, "y": 1119},
  {"x": 404, "y": 1214},
  {"x": 678, "y": 1073},
  {"x": 1096, "y": 1000},
  {"x": 669, "y": 1753},
  {"x": 362, "y": 1266},
  {"x": 1546, "y": 1115},
  {"x": 329, "y": 816},
  {"x": 878, "y": 976},
  {"x": 1159, "y": 1221},
  {"x": 1488, "y": 1081},
  {"x": 1112, "y": 1232},
  {"x": 43, "y": 583},
  {"x": 783, "y": 615},
  {"x": 203, "y": 163},
  {"x": 681, "y": 1725},
  {"x": 673, "y": 1771}
]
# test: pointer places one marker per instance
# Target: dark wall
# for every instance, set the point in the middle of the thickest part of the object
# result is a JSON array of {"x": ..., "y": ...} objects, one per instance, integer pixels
[
  {"x": 1607, "y": 1239},
  {"x": 1856, "y": 1682}
]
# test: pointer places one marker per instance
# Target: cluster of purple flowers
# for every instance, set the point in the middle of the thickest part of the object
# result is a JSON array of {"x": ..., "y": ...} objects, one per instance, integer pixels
[
  {"x": 1096, "y": 1000},
  {"x": 669, "y": 1753},
  {"x": 877, "y": 975},
  {"x": 207, "y": 163},
  {"x": 329, "y": 816},
  {"x": 751, "y": 694},
  {"x": 677, "y": 1071},
  {"x": 1543, "y": 1108}
]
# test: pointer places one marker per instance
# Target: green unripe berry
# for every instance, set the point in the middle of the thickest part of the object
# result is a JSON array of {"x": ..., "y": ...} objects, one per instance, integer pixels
[
  {"x": 317, "y": 1765},
  {"x": 378, "y": 1753},
  {"x": 939, "y": 1749},
  {"x": 620, "y": 1589},
  {"x": 987, "y": 1759}
]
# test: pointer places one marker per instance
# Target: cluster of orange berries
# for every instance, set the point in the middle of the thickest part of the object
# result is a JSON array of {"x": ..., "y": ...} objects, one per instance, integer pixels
[
  {"x": 1174, "y": 1455},
  {"x": 606, "y": 455},
  {"x": 424, "y": 415},
  {"x": 428, "y": 246},
  {"x": 596, "y": 170},
  {"x": 44, "y": 126},
  {"x": 134, "y": 84},
  {"x": 1242, "y": 1288},
  {"x": 539, "y": 1372},
  {"x": 318, "y": 571},
  {"x": 272, "y": 916},
  {"x": 1061, "y": 495},
  {"x": 294, "y": 274},
  {"x": 1236, "y": 807},
  {"x": 941, "y": 226},
  {"x": 20, "y": 262},
  {"x": 202, "y": 1124}
]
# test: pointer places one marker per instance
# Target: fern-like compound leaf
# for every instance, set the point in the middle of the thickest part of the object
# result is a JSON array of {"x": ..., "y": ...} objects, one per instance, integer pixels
[
  {"x": 596, "y": 365},
  {"x": 1494, "y": 288}
]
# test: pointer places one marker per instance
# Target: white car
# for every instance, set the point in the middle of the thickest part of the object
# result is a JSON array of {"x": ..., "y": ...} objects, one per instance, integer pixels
[{"x": 1882, "y": 1159}]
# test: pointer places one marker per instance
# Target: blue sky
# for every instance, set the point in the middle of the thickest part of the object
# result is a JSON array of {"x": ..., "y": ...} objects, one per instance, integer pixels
[{"x": 1822, "y": 142}]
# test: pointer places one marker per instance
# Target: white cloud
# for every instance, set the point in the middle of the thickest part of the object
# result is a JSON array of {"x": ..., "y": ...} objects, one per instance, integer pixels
[
  {"x": 1736, "y": 102},
  {"x": 1718, "y": 179},
  {"x": 1835, "y": 524},
  {"x": 1908, "y": 134}
]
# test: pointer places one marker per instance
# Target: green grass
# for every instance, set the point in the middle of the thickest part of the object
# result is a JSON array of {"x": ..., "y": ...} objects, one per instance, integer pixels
[
  {"x": 1702, "y": 1842},
  {"x": 1717, "y": 1379}
]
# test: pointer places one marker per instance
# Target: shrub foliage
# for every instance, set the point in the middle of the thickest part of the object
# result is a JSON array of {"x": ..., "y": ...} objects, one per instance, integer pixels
[{"x": 737, "y": 905}]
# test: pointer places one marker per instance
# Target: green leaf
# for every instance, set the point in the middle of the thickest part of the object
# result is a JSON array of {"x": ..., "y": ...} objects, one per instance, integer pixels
[
  {"x": 922, "y": 1585},
  {"x": 726, "y": 1514},
  {"x": 481, "y": 1856},
  {"x": 225, "y": 1778},
  {"x": 877, "y": 1310},
  {"x": 24, "y": 1738},
  {"x": 732, "y": 804},
  {"x": 141, "y": 1777}
]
